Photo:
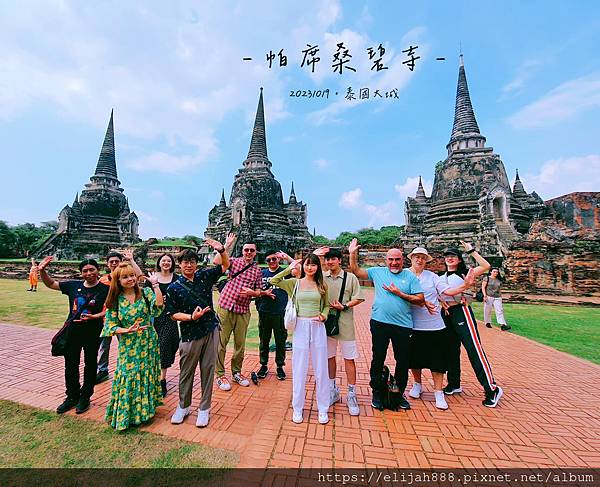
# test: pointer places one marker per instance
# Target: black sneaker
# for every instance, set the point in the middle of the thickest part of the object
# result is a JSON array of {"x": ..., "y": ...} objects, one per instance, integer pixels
[
  {"x": 281, "y": 373},
  {"x": 403, "y": 403},
  {"x": 83, "y": 405},
  {"x": 163, "y": 387},
  {"x": 262, "y": 372},
  {"x": 491, "y": 400},
  {"x": 376, "y": 401},
  {"x": 101, "y": 376},
  {"x": 449, "y": 390},
  {"x": 68, "y": 403},
  {"x": 505, "y": 327},
  {"x": 488, "y": 325}
]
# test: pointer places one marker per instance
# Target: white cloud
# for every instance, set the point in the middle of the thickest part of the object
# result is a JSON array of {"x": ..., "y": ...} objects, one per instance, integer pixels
[
  {"x": 375, "y": 215},
  {"x": 565, "y": 175},
  {"x": 524, "y": 72},
  {"x": 321, "y": 164},
  {"x": 409, "y": 188},
  {"x": 171, "y": 72},
  {"x": 562, "y": 103}
]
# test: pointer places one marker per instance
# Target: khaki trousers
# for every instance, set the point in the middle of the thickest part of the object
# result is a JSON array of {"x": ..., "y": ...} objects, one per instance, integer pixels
[
  {"x": 238, "y": 324},
  {"x": 202, "y": 352}
]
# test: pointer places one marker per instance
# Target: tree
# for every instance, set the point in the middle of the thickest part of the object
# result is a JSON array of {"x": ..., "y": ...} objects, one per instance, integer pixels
[{"x": 7, "y": 240}]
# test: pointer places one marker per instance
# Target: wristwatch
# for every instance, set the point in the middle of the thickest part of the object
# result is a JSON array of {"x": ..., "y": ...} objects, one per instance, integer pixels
[
  {"x": 346, "y": 307},
  {"x": 470, "y": 251}
]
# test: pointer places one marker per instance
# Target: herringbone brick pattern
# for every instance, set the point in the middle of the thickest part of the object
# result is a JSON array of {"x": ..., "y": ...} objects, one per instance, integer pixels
[{"x": 549, "y": 416}]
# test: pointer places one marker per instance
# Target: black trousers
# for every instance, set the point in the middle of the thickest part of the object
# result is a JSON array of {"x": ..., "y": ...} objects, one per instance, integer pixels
[
  {"x": 381, "y": 335},
  {"x": 267, "y": 323},
  {"x": 86, "y": 337},
  {"x": 462, "y": 328}
]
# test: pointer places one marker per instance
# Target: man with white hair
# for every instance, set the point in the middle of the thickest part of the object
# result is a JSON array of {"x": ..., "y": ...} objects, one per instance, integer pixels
[{"x": 391, "y": 320}]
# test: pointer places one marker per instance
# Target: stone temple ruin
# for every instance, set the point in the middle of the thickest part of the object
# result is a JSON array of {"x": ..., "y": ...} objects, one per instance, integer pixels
[
  {"x": 551, "y": 246},
  {"x": 471, "y": 198},
  {"x": 99, "y": 219},
  {"x": 256, "y": 211}
]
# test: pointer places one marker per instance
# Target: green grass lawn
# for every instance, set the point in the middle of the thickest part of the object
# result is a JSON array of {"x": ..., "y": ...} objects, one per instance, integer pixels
[
  {"x": 571, "y": 329},
  {"x": 36, "y": 438},
  {"x": 48, "y": 309}
]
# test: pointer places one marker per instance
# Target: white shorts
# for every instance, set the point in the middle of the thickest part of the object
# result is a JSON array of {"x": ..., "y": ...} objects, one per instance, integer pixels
[{"x": 349, "y": 350}]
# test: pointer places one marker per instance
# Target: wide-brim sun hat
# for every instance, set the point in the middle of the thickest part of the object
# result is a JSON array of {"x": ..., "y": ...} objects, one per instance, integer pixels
[{"x": 421, "y": 250}]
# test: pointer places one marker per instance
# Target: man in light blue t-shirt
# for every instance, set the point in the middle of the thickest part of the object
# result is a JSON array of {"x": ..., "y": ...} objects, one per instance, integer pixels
[{"x": 391, "y": 320}]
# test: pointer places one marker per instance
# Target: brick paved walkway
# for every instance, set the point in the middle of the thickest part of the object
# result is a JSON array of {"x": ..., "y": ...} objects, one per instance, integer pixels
[{"x": 549, "y": 416}]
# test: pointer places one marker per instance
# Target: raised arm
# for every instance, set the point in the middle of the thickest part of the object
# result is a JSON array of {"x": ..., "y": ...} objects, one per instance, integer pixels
[
  {"x": 46, "y": 279},
  {"x": 128, "y": 255},
  {"x": 229, "y": 243},
  {"x": 354, "y": 268},
  {"x": 222, "y": 253},
  {"x": 483, "y": 265}
]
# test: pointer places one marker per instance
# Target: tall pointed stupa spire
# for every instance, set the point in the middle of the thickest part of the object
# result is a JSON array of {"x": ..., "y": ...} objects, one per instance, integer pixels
[
  {"x": 293, "y": 199},
  {"x": 258, "y": 144},
  {"x": 107, "y": 165},
  {"x": 420, "y": 191},
  {"x": 518, "y": 187},
  {"x": 222, "y": 203},
  {"x": 465, "y": 125}
]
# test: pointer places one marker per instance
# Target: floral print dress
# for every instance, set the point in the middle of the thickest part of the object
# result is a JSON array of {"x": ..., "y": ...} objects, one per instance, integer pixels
[{"x": 136, "y": 391}]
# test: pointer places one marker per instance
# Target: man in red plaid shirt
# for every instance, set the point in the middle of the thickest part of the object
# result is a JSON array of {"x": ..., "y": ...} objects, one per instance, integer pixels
[{"x": 244, "y": 283}]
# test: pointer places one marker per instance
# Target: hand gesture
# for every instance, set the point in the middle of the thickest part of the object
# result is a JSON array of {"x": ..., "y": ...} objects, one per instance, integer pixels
[
  {"x": 445, "y": 306},
  {"x": 321, "y": 251},
  {"x": 353, "y": 247},
  {"x": 199, "y": 312},
  {"x": 269, "y": 293},
  {"x": 431, "y": 307},
  {"x": 336, "y": 305},
  {"x": 230, "y": 240},
  {"x": 321, "y": 317},
  {"x": 295, "y": 264},
  {"x": 466, "y": 245},
  {"x": 85, "y": 316},
  {"x": 128, "y": 254},
  {"x": 391, "y": 288},
  {"x": 153, "y": 278},
  {"x": 283, "y": 256},
  {"x": 45, "y": 261},
  {"x": 249, "y": 292},
  {"x": 218, "y": 246}
]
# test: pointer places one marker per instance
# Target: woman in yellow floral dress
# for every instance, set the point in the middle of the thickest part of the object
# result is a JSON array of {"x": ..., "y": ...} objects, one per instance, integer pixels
[{"x": 136, "y": 389}]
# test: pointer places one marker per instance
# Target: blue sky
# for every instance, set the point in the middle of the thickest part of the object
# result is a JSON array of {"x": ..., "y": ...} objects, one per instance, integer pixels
[{"x": 185, "y": 101}]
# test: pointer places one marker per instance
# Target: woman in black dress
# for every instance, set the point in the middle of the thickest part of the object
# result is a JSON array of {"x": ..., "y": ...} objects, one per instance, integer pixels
[{"x": 168, "y": 334}]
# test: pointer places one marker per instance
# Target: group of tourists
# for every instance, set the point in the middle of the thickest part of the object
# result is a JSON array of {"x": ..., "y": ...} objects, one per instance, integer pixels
[{"x": 425, "y": 316}]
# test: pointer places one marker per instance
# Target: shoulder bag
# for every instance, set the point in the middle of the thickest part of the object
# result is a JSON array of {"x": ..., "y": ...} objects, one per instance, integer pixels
[
  {"x": 332, "y": 323},
  {"x": 291, "y": 313},
  {"x": 220, "y": 285}
]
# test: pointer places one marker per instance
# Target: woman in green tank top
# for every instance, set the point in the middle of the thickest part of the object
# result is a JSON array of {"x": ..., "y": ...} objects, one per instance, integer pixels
[{"x": 309, "y": 339}]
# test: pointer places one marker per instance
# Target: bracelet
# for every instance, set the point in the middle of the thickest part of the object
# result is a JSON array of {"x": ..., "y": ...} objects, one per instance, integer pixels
[
  {"x": 470, "y": 251},
  {"x": 346, "y": 307},
  {"x": 221, "y": 251}
]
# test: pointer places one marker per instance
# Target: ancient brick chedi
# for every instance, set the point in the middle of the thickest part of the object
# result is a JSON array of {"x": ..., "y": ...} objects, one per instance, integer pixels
[
  {"x": 471, "y": 198},
  {"x": 99, "y": 219},
  {"x": 256, "y": 211}
]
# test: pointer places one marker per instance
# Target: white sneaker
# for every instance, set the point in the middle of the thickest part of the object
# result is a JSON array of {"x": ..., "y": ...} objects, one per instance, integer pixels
[
  {"x": 179, "y": 415},
  {"x": 223, "y": 383},
  {"x": 241, "y": 380},
  {"x": 352, "y": 403},
  {"x": 416, "y": 390},
  {"x": 323, "y": 418},
  {"x": 202, "y": 420},
  {"x": 440, "y": 400},
  {"x": 334, "y": 396},
  {"x": 297, "y": 417}
]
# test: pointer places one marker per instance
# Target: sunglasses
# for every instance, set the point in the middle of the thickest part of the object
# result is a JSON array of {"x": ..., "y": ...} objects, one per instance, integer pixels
[
  {"x": 271, "y": 259},
  {"x": 249, "y": 250}
]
